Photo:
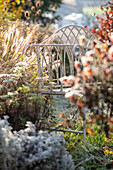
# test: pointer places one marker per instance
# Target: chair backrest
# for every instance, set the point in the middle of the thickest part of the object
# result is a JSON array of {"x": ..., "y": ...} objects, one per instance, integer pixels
[{"x": 56, "y": 56}]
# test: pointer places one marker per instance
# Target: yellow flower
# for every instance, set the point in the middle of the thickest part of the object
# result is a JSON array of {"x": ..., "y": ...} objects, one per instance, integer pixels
[
  {"x": 13, "y": 3},
  {"x": 20, "y": 8},
  {"x": 23, "y": 1},
  {"x": 15, "y": 11},
  {"x": 0, "y": 108},
  {"x": 17, "y": 1},
  {"x": 108, "y": 152},
  {"x": 111, "y": 152}
]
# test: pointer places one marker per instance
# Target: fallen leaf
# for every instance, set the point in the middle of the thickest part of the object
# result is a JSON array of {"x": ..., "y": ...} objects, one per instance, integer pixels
[
  {"x": 90, "y": 131},
  {"x": 90, "y": 122},
  {"x": 66, "y": 123},
  {"x": 110, "y": 128},
  {"x": 61, "y": 115}
]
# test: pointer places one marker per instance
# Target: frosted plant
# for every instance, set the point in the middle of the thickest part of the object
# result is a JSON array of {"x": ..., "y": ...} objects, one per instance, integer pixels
[{"x": 26, "y": 149}]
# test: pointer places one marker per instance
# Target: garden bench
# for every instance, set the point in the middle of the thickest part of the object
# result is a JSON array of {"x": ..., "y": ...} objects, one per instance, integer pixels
[{"x": 56, "y": 56}]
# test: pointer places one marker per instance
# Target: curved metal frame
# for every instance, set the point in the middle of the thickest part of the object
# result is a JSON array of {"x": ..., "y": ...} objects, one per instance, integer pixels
[{"x": 63, "y": 29}]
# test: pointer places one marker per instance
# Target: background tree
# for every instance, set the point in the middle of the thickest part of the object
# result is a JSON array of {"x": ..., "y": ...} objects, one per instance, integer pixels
[{"x": 31, "y": 10}]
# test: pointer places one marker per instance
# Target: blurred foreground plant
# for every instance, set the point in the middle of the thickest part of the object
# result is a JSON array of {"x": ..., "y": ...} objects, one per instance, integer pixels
[
  {"x": 92, "y": 86},
  {"x": 27, "y": 149}
]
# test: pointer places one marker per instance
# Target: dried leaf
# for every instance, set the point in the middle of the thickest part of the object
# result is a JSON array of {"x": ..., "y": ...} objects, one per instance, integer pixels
[
  {"x": 90, "y": 131},
  {"x": 110, "y": 121},
  {"x": 100, "y": 117},
  {"x": 90, "y": 122},
  {"x": 110, "y": 128},
  {"x": 66, "y": 123}
]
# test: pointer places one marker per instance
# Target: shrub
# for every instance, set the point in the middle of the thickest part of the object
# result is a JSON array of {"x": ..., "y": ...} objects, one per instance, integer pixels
[{"x": 27, "y": 150}]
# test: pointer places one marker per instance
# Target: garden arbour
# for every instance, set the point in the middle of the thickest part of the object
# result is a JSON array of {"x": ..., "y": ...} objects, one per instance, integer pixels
[{"x": 56, "y": 57}]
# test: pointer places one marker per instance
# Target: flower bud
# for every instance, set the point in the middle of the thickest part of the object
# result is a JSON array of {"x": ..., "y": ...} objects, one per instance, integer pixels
[
  {"x": 77, "y": 66},
  {"x": 88, "y": 71},
  {"x": 82, "y": 40}
]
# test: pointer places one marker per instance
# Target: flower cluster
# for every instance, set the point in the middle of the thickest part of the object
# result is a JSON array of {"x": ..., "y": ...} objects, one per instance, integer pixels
[
  {"x": 108, "y": 152},
  {"x": 26, "y": 149}
]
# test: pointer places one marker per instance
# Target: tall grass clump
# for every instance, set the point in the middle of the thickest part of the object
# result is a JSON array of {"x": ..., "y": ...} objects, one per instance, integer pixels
[{"x": 18, "y": 74}]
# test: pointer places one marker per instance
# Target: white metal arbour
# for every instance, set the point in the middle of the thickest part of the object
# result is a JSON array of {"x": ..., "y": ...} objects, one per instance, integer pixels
[
  {"x": 57, "y": 54},
  {"x": 55, "y": 59}
]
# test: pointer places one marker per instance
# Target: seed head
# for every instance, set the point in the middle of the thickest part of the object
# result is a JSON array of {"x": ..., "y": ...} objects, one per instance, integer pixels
[
  {"x": 32, "y": 8},
  {"x": 38, "y": 4},
  {"x": 27, "y": 14},
  {"x": 42, "y": 3}
]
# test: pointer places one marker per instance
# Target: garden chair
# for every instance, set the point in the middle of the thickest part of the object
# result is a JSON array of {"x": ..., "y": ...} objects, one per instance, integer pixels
[{"x": 55, "y": 59}]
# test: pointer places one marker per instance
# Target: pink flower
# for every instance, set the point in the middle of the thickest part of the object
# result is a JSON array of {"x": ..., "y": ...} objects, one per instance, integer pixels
[
  {"x": 87, "y": 71},
  {"x": 78, "y": 79},
  {"x": 86, "y": 61},
  {"x": 64, "y": 80},
  {"x": 81, "y": 40},
  {"x": 109, "y": 73},
  {"x": 111, "y": 37},
  {"x": 77, "y": 66},
  {"x": 90, "y": 53},
  {"x": 70, "y": 80}
]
